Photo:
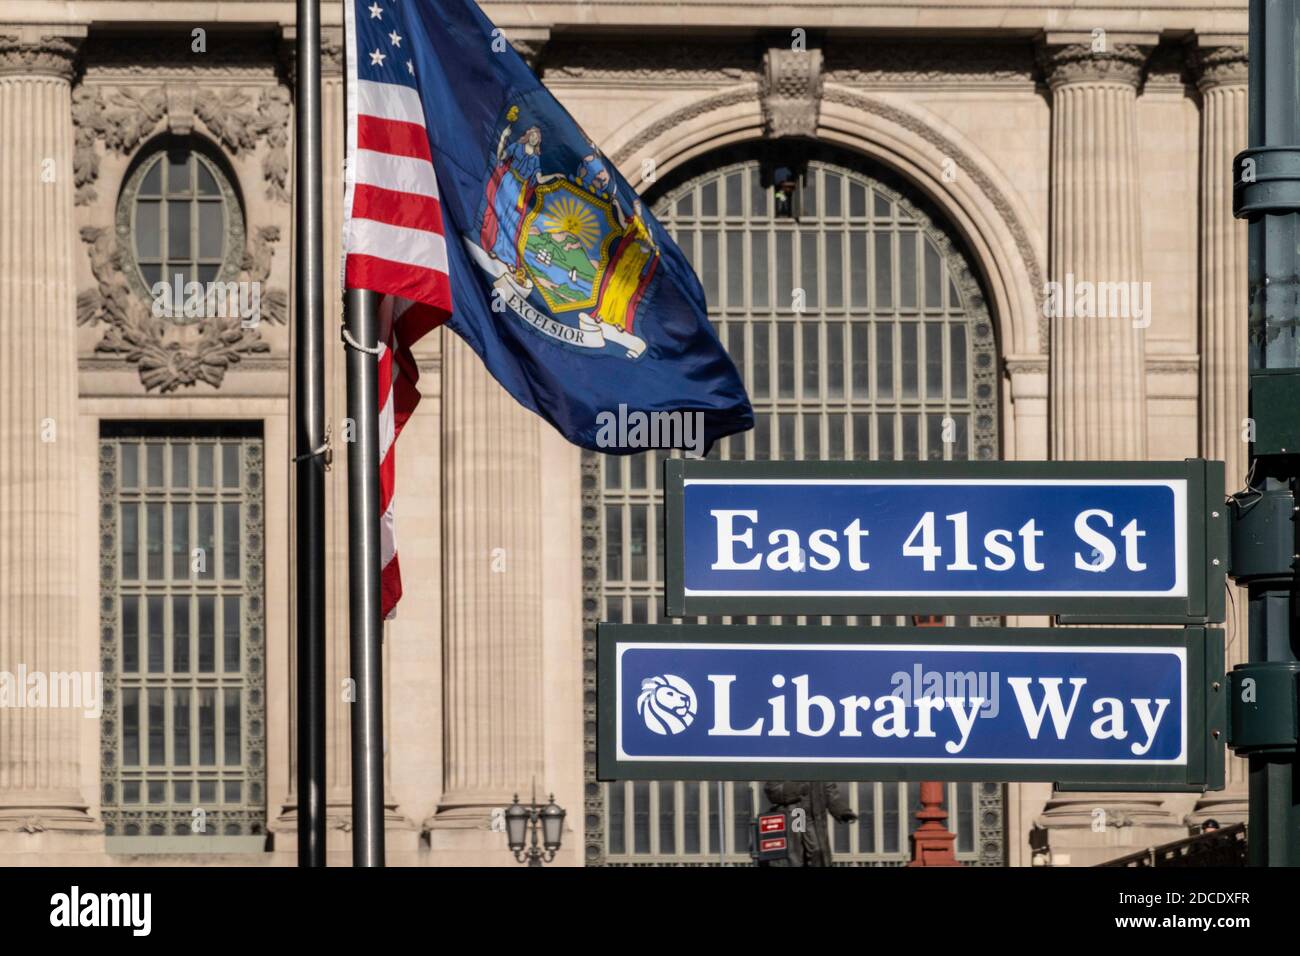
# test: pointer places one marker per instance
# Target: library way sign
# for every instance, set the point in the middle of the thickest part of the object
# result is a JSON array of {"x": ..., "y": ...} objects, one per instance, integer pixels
[
  {"x": 1087, "y": 542},
  {"x": 843, "y": 703}
]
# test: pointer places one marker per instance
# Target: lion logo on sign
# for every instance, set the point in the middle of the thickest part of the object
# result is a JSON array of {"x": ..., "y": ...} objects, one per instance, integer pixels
[{"x": 666, "y": 704}]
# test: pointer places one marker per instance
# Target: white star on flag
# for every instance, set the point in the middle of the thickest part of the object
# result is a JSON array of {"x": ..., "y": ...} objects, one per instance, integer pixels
[
  {"x": 376, "y": 13},
  {"x": 410, "y": 67},
  {"x": 394, "y": 39},
  {"x": 377, "y": 58}
]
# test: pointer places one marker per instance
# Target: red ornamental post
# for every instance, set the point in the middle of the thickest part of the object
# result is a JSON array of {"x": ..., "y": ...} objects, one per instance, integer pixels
[{"x": 932, "y": 843}]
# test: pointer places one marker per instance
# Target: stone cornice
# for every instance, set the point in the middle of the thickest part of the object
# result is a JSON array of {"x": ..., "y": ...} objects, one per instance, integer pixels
[
  {"x": 850, "y": 62},
  {"x": 684, "y": 62},
  {"x": 28, "y": 53},
  {"x": 960, "y": 64},
  {"x": 1080, "y": 63},
  {"x": 1219, "y": 66},
  {"x": 172, "y": 54}
]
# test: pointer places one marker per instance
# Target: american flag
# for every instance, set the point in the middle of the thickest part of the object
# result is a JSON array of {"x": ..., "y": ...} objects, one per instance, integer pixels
[{"x": 393, "y": 237}]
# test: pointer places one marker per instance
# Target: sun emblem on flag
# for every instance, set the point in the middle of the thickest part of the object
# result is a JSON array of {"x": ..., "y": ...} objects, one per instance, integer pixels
[{"x": 573, "y": 218}]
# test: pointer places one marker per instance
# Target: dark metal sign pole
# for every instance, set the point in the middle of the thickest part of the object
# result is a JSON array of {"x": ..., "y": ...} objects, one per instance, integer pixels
[
  {"x": 309, "y": 440},
  {"x": 364, "y": 624},
  {"x": 1267, "y": 193}
]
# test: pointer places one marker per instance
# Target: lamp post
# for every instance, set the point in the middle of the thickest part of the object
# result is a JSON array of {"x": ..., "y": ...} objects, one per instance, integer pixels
[
  {"x": 532, "y": 820},
  {"x": 1266, "y": 192}
]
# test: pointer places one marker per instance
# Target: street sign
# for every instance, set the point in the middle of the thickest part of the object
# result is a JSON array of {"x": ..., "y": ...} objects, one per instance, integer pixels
[
  {"x": 1106, "y": 707},
  {"x": 1101, "y": 542}
]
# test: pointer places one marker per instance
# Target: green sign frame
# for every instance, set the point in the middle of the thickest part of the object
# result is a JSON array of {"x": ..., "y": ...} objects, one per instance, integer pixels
[
  {"x": 1207, "y": 543},
  {"x": 1206, "y": 708}
]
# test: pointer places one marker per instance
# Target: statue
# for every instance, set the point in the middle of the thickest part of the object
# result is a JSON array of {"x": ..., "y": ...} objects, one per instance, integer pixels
[{"x": 812, "y": 846}]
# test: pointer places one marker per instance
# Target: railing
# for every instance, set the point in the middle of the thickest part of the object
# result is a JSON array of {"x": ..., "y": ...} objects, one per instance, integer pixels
[{"x": 1226, "y": 847}]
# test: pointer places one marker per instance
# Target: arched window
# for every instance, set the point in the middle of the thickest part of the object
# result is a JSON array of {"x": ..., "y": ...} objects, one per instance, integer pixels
[
  {"x": 861, "y": 333},
  {"x": 178, "y": 214}
]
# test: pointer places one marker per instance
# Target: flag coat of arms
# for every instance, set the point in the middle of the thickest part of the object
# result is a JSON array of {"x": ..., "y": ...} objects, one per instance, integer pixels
[{"x": 474, "y": 197}]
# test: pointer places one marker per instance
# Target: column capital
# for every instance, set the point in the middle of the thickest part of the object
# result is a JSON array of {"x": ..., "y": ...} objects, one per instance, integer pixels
[
  {"x": 1087, "y": 63},
  {"x": 1219, "y": 65},
  {"x": 39, "y": 50},
  {"x": 331, "y": 51}
]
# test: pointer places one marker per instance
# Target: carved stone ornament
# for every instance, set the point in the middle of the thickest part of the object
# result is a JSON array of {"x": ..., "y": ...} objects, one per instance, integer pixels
[
  {"x": 1081, "y": 63},
  {"x": 46, "y": 56},
  {"x": 170, "y": 355},
  {"x": 122, "y": 118},
  {"x": 791, "y": 91},
  {"x": 233, "y": 119}
]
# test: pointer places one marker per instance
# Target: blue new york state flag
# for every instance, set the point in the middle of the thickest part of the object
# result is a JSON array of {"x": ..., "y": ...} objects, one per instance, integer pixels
[{"x": 574, "y": 296}]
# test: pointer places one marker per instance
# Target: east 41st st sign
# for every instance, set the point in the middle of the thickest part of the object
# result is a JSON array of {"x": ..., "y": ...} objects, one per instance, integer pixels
[
  {"x": 1103, "y": 707},
  {"x": 1132, "y": 542}
]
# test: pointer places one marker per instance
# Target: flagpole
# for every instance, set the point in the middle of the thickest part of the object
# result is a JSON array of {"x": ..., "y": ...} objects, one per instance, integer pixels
[
  {"x": 365, "y": 626},
  {"x": 309, "y": 440}
]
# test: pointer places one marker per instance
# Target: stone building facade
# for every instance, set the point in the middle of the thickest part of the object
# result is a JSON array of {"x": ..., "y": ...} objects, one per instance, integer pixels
[{"x": 951, "y": 160}]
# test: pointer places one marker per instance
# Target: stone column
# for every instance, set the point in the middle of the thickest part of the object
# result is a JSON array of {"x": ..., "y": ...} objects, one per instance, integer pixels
[
  {"x": 1098, "y": 383},
  {"x": 493, "y": 494},
  {"x": 1221, "y": 78},
  {"x": 40, "y": 744},
  {"x": 1098, "y": 375}
]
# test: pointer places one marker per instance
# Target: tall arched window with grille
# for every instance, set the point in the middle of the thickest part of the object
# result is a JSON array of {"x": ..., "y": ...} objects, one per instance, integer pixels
[{"x": 861, "y": 333}]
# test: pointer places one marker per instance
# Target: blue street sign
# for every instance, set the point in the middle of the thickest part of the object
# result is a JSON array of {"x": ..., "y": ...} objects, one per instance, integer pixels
[
  {"x": 836, "y": 703},
  {"x": 1121, "y": 540}
]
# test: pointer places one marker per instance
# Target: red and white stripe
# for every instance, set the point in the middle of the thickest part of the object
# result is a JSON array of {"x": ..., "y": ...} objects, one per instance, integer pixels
[
  {"x": 394, "y": 244},
  {"x": 401, "y": 323}
]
